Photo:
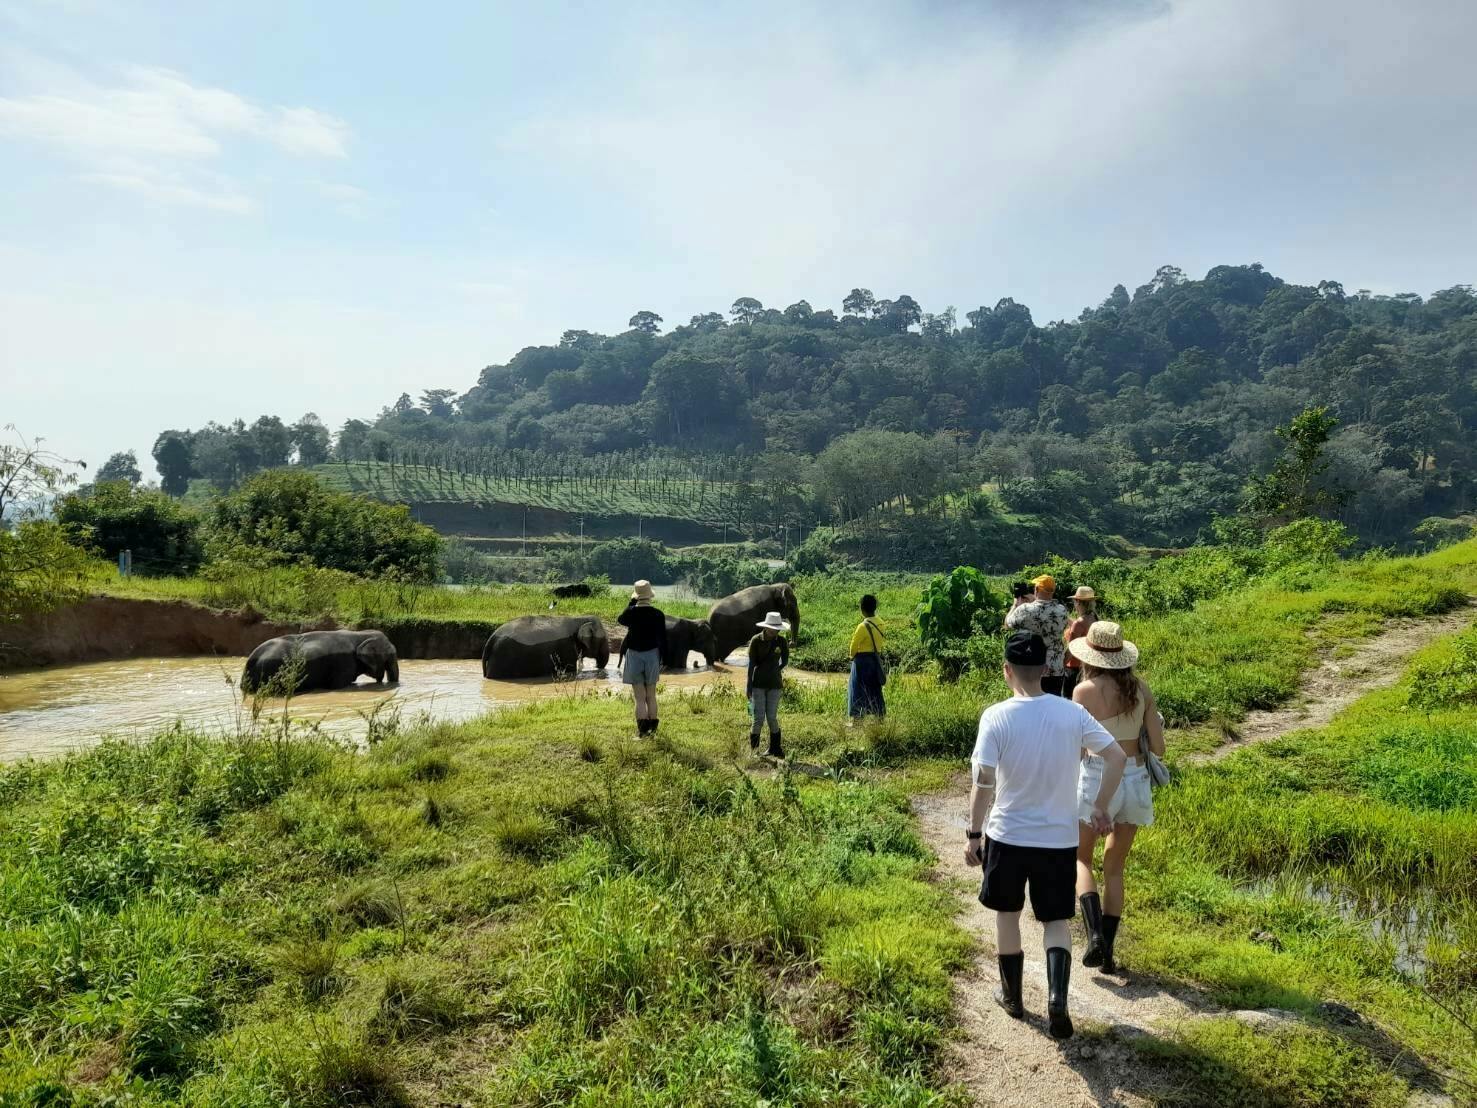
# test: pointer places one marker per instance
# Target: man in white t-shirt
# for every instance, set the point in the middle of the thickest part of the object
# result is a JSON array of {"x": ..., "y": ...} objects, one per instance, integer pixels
[{"x": 1025, "y": 765}]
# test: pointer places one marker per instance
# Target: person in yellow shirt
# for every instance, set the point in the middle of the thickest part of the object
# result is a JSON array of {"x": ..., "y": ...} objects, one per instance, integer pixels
[{"x": 864, "y": 690}]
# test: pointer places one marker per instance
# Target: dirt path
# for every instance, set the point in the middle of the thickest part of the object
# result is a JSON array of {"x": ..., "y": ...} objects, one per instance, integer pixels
[
  {"x": 1001, "y": 1061},
  {"x": 1374, "y": 663}
]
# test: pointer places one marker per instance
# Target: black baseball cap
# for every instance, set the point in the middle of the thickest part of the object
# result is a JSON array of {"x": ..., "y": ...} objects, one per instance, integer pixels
[{"x": 1025, "y": 648}]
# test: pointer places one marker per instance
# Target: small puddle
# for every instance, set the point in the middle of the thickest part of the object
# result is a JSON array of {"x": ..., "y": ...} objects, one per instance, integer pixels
[
  {"x": 46, "y": 712},
  {"x": 1408, "y": 925}
]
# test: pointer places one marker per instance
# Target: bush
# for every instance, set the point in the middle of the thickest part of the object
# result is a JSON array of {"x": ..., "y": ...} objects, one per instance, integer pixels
[
  {"x": 286, "y": 517},
  {"x": 957, "y": 608},
  {"x": 111, "y": 517},
  {"x": 1308, "y": 542}
]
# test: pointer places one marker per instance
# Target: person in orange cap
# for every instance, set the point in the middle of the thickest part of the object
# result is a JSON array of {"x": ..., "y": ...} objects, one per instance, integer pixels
[{"x": 1045, "y": 617}]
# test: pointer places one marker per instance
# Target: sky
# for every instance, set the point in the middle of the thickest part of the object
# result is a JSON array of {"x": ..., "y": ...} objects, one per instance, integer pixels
[{"x": 215, "y": 210}]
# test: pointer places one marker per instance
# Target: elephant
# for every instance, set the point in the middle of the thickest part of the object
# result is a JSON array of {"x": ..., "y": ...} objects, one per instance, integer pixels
[
  {"x": 330, "y": 660},
  {"x": 686, "y": 635},
  {"x": 733, "y": 618},
  {"x": 542, "y": 646},
  {"x": 579, "y": 588}
]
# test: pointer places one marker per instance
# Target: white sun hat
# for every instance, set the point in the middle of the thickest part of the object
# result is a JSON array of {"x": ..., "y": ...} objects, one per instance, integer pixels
[{"x": 773, "y": 621}]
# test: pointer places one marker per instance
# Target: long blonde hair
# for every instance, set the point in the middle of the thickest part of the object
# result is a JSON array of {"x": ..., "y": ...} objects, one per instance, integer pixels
[{"x": 1124, "y": 680}]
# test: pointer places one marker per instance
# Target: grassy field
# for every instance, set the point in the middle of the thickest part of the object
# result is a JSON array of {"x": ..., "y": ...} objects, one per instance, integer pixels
[{"x": 532, "y": 908}]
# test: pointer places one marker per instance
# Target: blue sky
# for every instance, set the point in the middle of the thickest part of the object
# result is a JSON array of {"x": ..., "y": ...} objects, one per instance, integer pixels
[{"x": 212, "y": 210}]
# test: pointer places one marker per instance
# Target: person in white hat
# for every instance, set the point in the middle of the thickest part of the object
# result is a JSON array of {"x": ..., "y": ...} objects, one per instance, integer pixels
[
  {"x": 1119, "y": 700},
  {"x": 769, "y": 654},
  {"x": 641, "y": 653}
]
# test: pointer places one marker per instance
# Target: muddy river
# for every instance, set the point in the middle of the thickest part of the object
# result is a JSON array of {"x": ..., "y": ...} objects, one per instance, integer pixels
[{"x": 45, "y": 712}]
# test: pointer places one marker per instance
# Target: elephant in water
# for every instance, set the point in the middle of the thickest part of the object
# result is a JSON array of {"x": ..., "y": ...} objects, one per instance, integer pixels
[
  {"x": 328, "y": 659},
  {"x": 685, "y": 636},
  {"x": 542, "y": 646},
  {"x": 733, "y": 618}
]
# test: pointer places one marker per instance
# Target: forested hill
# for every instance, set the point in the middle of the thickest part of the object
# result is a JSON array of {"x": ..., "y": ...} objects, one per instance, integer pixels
[{"x": 1147, "y": 413}]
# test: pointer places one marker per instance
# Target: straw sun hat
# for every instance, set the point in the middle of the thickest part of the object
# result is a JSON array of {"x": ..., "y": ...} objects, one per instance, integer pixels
[
  {"x": 1084, "y": 592},
  {"x": 642, "y": 591},
  {"x": 773, "y": 621},
  {"x": 1104, "y": 647}
]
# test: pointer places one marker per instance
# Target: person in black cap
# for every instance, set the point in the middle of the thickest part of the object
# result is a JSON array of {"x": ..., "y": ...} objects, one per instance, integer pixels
[{"x": 1025, "y": 767}]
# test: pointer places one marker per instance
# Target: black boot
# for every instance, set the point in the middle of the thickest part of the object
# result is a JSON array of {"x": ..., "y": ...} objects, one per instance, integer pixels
[
  {"x": 1008, "y": 996},
  {"x": 754, "y": 741},
  {"x": 775, "y": 749},
  {"x": 1092, "y": 916},
  {"x": 1110, "y": 935},
  {"x": 1058, "y": 973},
  {"x": 653, "y": 724},
  {"x": 643, "y": 728}
]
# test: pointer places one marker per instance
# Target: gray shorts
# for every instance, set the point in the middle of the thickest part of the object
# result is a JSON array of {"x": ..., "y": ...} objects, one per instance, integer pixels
[{"x": 642, "y": 667}]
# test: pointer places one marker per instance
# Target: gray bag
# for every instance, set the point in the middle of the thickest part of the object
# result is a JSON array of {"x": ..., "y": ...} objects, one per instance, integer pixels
[{"x": 1158, "y": 771}]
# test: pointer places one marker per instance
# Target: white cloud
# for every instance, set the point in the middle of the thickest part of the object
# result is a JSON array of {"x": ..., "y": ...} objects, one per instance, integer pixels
[
  {"x": 167, "y": 191},
  {"x": 149, "y": 130}
]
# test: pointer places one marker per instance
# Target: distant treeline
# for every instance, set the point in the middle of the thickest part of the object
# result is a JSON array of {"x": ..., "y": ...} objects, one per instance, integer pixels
[{"x": 1145, "y": 416}]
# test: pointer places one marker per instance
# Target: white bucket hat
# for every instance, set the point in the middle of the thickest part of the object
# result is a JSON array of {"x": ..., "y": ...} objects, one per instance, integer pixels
[
  {"x": 773, "y": 621},
  {"x": 1104, "y": 647},
  {"x": 642, "y": 590}
]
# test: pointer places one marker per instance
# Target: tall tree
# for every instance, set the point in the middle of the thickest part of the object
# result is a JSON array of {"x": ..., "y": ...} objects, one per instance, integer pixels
[
  {"x": 745, "y": 309},
  {"x": 122, "y": 466},
  {"x": 858, "y": 302},
  {"x": 174, "y": 457},
  {"x": 647, "y": 322},
  {"x": 310, "y": 440},
  {"x": 1291, "y": 490}
]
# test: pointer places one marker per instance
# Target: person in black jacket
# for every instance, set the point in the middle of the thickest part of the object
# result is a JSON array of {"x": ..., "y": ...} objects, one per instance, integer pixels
[
  {"x": 769, "y": 654},
  {"x": 641, "y": 653}
]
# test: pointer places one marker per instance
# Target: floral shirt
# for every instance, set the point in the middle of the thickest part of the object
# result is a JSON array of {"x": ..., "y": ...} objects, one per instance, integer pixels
[{"x": 1049, "y": 620}]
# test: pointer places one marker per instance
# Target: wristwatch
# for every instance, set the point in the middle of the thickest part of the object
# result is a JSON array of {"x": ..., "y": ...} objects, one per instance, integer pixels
[{"x": 973, "y": 834}]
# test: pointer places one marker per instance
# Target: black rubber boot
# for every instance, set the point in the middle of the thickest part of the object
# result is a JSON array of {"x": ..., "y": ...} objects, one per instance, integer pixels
[
  {"x": 653, "y": 724},
  {"x": 754, "y": 740},
  {"x": 775, "y": 749},
  {"x": 1008, "y": 996},
  {"x": 643, "y": 728},
  {"x": 1058, "y": 974},
  {"x": 1110, "y": 936},
  {"x": 1092, "y": 916}
]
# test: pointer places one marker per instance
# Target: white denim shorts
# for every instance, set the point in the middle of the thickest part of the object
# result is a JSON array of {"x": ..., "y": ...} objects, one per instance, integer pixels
[{"x": 1132, "y": 803}]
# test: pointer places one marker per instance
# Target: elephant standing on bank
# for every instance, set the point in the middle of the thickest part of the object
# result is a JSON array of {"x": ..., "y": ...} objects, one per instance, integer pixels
[
  {"x": 328, "y": 660},
  {"x": 542, "y": 646},
  {"x": 733, "y": 618},
  {"x": 685, "y": 636}
]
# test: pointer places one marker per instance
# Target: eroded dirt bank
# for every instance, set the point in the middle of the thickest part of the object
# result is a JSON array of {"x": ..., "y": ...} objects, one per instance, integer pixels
[{"x": 111, "y": 628}]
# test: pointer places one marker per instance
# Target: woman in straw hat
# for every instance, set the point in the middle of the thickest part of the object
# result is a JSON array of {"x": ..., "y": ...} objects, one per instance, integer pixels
[
  {"x": 1084, "y": 615},
  {"x": 769, "y": 654},
  {"x": 1119, "y": 700},
  {"x": 641, "y": 653}
]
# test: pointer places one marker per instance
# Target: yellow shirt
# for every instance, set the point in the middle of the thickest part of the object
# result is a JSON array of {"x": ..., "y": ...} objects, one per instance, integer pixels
[{"x": 862, "y": 638}]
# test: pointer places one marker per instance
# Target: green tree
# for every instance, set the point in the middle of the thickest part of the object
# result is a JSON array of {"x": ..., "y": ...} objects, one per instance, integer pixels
[
  {"x": 745, "y": 309},
  {"x": 39, "y": 568},
  {"x": 310, "y": 440},
  {"x": 1291, "y": 490},
  {"x": 438, "y": 402},
  {"x": 112, "y": 516},
  {"x": 858, "y": 302},
  {"x": 273, "y": 443},
  {"x": 174, "y": 457},
  {"x": 647, "y": 322},
  {"x": 288, "y": 516},
  {"x": 122, "y": 466}
]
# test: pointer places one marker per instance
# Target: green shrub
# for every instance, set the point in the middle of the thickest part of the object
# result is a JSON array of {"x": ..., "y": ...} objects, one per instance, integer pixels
[
  {"x": 163, "y": 535},
  {"x": 957, "y": 607}
]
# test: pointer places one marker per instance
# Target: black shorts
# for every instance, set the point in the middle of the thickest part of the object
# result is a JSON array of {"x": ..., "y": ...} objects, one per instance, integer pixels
[{"x": 1050, "y": 871}]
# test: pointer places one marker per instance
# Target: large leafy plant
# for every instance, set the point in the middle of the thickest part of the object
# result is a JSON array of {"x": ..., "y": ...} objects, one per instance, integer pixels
[{"x": 956, "y": 608}]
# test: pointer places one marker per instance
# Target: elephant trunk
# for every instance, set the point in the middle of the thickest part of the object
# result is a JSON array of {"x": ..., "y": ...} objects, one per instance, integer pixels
[{"x": 602, "y": 657}]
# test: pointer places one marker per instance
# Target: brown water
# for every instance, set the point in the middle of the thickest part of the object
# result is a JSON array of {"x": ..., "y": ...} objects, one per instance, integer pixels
[{"x": 50, "y": 711}]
